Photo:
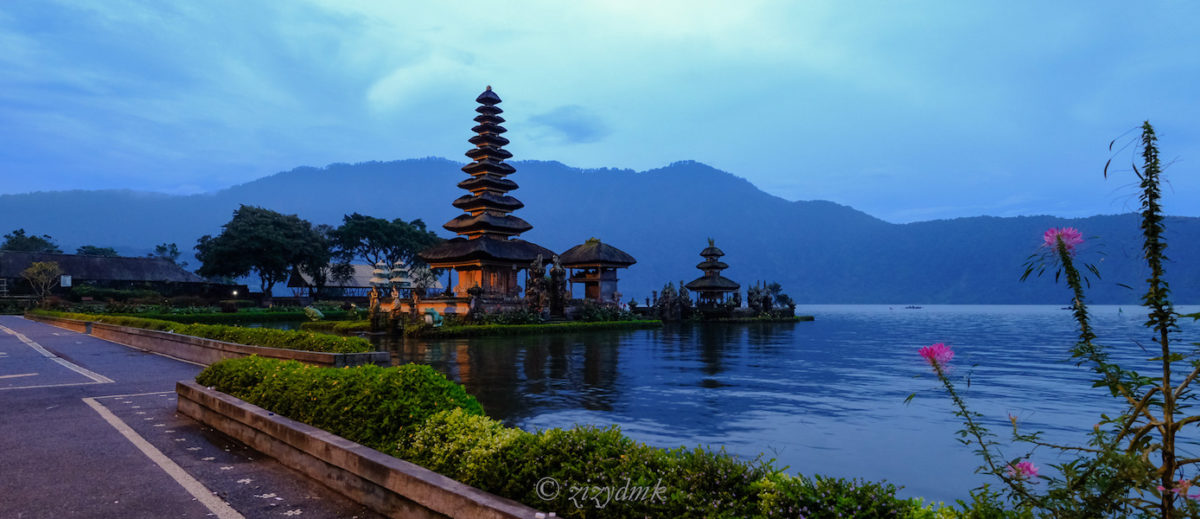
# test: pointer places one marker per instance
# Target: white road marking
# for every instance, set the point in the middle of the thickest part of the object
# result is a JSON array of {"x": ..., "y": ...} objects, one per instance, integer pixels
[
  {"x": 214, "y": 504},
  {"x": 96, "y": 377},
  {"x": 133, "y": 395},
  {"x": 54, "y": 385},
  {"x": 19, "y": 375}
]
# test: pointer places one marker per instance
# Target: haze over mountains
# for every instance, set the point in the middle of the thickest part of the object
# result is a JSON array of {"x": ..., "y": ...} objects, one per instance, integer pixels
[{"x": 821, "y": 252}]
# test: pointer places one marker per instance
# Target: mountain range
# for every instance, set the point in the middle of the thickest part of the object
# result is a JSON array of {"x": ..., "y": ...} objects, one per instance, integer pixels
[{"x": 820, "y": 251}]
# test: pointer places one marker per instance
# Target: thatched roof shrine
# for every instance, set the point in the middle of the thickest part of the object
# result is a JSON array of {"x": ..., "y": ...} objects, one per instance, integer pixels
[{"x": 595, "y": 253}]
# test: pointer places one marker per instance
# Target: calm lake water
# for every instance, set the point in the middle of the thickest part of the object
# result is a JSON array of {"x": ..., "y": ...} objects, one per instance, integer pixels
[{"x": 823, "y": 397}]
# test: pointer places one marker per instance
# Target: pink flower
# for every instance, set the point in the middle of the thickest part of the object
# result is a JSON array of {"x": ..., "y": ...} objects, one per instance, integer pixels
[
  {"x": 1181, "y": 489},
  {"x": 937, "y": 355},
  {"x": 1070, "y": 237},
  {"x": 1023, "y": 470}
]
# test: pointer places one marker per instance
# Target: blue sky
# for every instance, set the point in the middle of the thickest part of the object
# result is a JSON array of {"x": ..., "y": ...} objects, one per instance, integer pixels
[{"x": 906, "y": 110}]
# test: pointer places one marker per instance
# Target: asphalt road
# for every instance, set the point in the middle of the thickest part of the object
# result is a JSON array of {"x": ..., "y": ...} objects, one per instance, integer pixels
[{"x": 88, "y": 428}]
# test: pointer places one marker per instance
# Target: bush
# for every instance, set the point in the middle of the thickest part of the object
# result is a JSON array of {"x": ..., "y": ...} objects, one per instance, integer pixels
[
  {"x": 523, "y": 316},
  {"x": 450, "y": 330},
  {"x": 592, "y": 312},
  {"x": 372, "y": 405},
  {"x": 267, "y": 337},
  {"x": 239, "y": 317},
  {"x": 100, "y": 293},
  {"x": 470, "y": 448},
  {"x": 342, "y": 327},
  {"x": 782, "y": 495}
]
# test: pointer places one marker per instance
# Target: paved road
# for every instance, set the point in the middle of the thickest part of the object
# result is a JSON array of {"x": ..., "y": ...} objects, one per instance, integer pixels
[{"x": 88, "y": 428}]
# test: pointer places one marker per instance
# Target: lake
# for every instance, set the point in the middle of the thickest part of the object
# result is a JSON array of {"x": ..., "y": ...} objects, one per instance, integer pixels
[{"x": 822, "y": 397}]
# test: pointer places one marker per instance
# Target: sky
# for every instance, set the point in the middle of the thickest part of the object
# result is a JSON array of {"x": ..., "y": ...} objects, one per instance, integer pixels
[{"x": 909, "y": 111}]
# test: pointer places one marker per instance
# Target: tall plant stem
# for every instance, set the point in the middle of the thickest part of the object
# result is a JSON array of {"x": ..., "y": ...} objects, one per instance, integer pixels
[{"x": 1157, "y": 300}]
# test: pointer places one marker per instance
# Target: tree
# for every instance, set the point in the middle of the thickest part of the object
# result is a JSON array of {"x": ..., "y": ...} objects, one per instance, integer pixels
[
  {"x": 373, "y": 239},
  {"x": 317, "y": 264},
  {"x": 167, "y": 251},
  {"x": 262, "y": 241},
  {"x": 19, "y": 241},
  {"x": 92, "y": 250},
  {"x": 42, "y": 276}
]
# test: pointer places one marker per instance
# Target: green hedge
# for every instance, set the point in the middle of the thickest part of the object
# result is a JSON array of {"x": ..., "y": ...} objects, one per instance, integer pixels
[
  {"x": 337, "y": 326},
  {"x": 426, "y": 331},
  {"x": 768, "y": 319},
  {"x": 371, "y": 405},
  {"x": 241, "y": 317},
  {"x": 415, "y": 413},
  {"x": 477, "y": 330},
  {"x": 270, "y": 338}
]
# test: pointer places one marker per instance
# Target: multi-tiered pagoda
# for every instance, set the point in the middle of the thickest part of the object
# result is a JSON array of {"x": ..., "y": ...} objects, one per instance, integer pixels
[
  {"x": 712, "y": 288},
  {"x": 487, "y": 254}
]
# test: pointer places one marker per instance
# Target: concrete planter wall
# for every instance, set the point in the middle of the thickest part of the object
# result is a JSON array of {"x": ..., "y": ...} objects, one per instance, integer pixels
[
  {"x": 388, "y": 485},
  {"x": 205, "y": 351}
]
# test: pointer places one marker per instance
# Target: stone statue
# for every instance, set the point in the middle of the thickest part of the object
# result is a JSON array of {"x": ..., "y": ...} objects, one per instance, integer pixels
[
  {"x": 535, "y": 292},
  {"x": 558, "y": 288},
  {"x": 373, "y": 298}
]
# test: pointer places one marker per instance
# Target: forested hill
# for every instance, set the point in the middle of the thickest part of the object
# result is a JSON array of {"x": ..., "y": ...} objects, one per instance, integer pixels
[{"x": 820, "y": 251}]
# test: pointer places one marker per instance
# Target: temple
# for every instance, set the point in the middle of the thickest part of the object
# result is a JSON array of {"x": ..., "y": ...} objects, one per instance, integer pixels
[
  {"x": 712, "y": 288},
  {"x": 594, "y": 265},
  {"x": 487, "y": 256}
]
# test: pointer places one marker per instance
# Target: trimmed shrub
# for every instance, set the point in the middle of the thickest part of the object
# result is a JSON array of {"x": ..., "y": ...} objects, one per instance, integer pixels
[
  {"x": 345, "y": 327},
  {"x": 781, "y": 495},
  {"x": 454, "y": 331},
  {"x": 470, "y": 448},
  {"x": 267, "y": 337},
  {"x": 372, "y": 405},
  {"x": 239, "y": 317}
]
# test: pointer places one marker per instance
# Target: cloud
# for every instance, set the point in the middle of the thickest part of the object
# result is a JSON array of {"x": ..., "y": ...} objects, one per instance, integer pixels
[{"x": 569, "y": 124}]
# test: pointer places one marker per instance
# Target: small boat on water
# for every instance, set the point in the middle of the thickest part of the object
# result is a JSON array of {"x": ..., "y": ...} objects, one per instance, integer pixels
[{"x": 912, "y": 307}]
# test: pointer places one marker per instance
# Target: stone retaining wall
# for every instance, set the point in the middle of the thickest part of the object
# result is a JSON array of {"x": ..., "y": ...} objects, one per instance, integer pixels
[
  {"x": 205, "y": 351},
  {"x": 391, "y": 486}
]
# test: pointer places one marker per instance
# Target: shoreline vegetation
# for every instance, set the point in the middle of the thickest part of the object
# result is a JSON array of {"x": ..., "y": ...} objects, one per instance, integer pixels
[
  {"x": 426, "y": 331},
  {"x": 266, "y": 337},
  {"x": 453, "y": 331},
  {"x": 414, "y": 413},
  {"x": 767, "y": 319}
]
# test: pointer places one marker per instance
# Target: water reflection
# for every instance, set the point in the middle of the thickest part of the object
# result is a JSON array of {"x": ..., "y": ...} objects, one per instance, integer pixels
[{"x": 822, "y": 397}]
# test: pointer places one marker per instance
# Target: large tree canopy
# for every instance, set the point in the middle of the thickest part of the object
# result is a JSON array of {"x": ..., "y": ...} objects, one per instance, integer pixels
[
  {"x": 262, "y": 241},
  {"x": 375, "y": 239},
  {"x": 19, "y": 241}
]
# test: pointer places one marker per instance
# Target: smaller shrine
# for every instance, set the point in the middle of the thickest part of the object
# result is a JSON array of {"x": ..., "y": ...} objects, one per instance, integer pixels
[
  {"x": 594, "y": 265},
  {"x": 712, "y": 289}
]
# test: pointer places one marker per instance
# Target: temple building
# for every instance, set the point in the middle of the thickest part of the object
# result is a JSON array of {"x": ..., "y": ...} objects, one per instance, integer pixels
[
  {"x": 712, "y": 288},
  {"x": 487, "y": 254},
  {"x": 594, "y": 265}
]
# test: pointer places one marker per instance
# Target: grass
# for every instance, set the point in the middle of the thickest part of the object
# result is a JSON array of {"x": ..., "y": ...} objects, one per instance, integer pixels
[{"x": 426, "y": 331}]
